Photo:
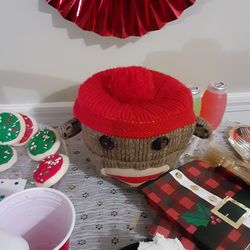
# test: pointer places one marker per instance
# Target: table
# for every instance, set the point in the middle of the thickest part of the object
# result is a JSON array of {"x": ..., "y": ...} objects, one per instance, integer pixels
[{"x": 109, "y": 214}]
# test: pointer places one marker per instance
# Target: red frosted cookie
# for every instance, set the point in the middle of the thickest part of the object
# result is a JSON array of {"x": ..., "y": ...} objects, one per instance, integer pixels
[
  {"x": 30, "y": 129},
  {"x": 51, "y": 170}
]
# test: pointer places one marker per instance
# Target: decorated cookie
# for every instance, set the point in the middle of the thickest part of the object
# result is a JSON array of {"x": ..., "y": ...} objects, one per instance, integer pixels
[
  {"x": 30, "y": 129},
  {"x": 51, "y": 170},
  {"x": 8, "y": 157},
  {"x": 12, "y": 128},
  {"x": 44, "y": 143}
]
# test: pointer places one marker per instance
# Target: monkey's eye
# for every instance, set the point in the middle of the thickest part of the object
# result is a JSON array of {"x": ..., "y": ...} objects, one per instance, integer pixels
[
  {"x": 106, "y": 142},
  {"x": 160, "y": 143}
]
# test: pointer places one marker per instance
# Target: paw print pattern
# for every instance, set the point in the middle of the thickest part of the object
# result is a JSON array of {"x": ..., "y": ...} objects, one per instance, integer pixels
[
  {"x": 81, "y": 242},
  {"x": 128, "y": 201},
  {"x": 99, "y": 203},
  {"x": 115, "y": 240},
  {"x": 144, "y": 215},
  {"x": 100, "y": 182},
  {"x": 130, "y": 228},
  {"x": 114, "y": 213},
  {"x": 71, "y": 187},
  {"x": 84, "y": 217},
  {"x": 76, "y": 152},
  {"x": 98, "y": 226},
  {"x": 85, "y": 195},
  {"x": 113, "y": 191}
]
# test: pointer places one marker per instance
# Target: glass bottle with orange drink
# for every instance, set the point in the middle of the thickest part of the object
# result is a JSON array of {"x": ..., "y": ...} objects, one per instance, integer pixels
[{"x": 213, "y": 103}]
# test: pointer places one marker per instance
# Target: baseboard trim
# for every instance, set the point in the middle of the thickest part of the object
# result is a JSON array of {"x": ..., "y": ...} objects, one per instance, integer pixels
[
  {"x": 238, "y": 108},
  {"x": 49, "y": 107},
  {"x": 238, "y": 102},
  {"x": 54, "y": 113}
]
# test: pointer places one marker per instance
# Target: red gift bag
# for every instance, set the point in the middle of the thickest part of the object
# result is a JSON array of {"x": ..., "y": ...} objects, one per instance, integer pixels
[
  {"x": 164, "y": 227},
  {"x": 206, "y": 205}
]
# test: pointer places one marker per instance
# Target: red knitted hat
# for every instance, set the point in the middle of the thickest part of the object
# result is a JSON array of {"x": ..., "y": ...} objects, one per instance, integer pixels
[{"x": 133, "y": 102}]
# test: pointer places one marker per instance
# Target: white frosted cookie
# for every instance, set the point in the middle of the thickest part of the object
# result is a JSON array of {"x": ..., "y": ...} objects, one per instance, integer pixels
[
  {"x": 8, "y": 157},
  {"x": 51, "y": 170},
  {"x": 30, "y": 129},
  {"x": 43, "y": 143},
  {"x": 12, "y": 128}
]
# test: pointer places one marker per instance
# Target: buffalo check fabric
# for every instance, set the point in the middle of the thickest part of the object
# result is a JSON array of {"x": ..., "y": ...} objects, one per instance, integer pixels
[
  {"x": 164, "y": 227},
  {"x": 191, "y": 215}
]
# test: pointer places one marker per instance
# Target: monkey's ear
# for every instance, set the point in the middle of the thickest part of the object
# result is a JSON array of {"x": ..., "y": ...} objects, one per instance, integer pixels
[{"x": 202, "y": 128}]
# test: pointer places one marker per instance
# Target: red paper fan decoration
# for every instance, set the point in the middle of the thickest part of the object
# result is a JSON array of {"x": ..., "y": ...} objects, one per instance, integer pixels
[{"x": 120, "y": 18}]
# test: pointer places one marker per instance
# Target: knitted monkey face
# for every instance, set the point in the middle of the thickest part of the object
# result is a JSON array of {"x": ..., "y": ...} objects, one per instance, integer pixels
[
  {"x": 135, "y": 161},
  {"x": 136, "y": 122}
]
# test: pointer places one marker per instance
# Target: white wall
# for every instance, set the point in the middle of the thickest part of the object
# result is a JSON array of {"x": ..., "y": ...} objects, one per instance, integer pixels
[{"x": 43, "y": 57}]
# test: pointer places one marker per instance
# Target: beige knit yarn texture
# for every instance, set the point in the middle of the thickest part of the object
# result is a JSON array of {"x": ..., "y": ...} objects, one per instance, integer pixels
[{"x": 137, "y": 153}]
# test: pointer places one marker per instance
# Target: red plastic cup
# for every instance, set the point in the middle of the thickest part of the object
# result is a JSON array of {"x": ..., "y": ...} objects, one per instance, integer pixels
[{"x": 44, "y": 217}]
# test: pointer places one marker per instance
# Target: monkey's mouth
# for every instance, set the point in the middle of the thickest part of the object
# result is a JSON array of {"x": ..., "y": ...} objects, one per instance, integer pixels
[
  {"x": 134, "y": 173},
  {"x": 136, "y": 181},
  {"x": 135, "y": 177}
]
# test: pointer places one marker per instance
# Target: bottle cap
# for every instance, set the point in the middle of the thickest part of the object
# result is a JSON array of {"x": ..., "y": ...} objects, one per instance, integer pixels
[
  {"x": 219, "y": 86},
  {"x": 195, "y": 90}
]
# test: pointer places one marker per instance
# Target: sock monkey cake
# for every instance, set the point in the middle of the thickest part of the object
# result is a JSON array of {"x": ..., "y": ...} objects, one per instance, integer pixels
[{"x": 136, "y": 122}]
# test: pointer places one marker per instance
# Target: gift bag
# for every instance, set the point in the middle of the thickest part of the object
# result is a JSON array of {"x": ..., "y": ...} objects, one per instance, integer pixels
[
  {"x": 207, "y": 205},
  {"x": 164, "y": 227}
]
